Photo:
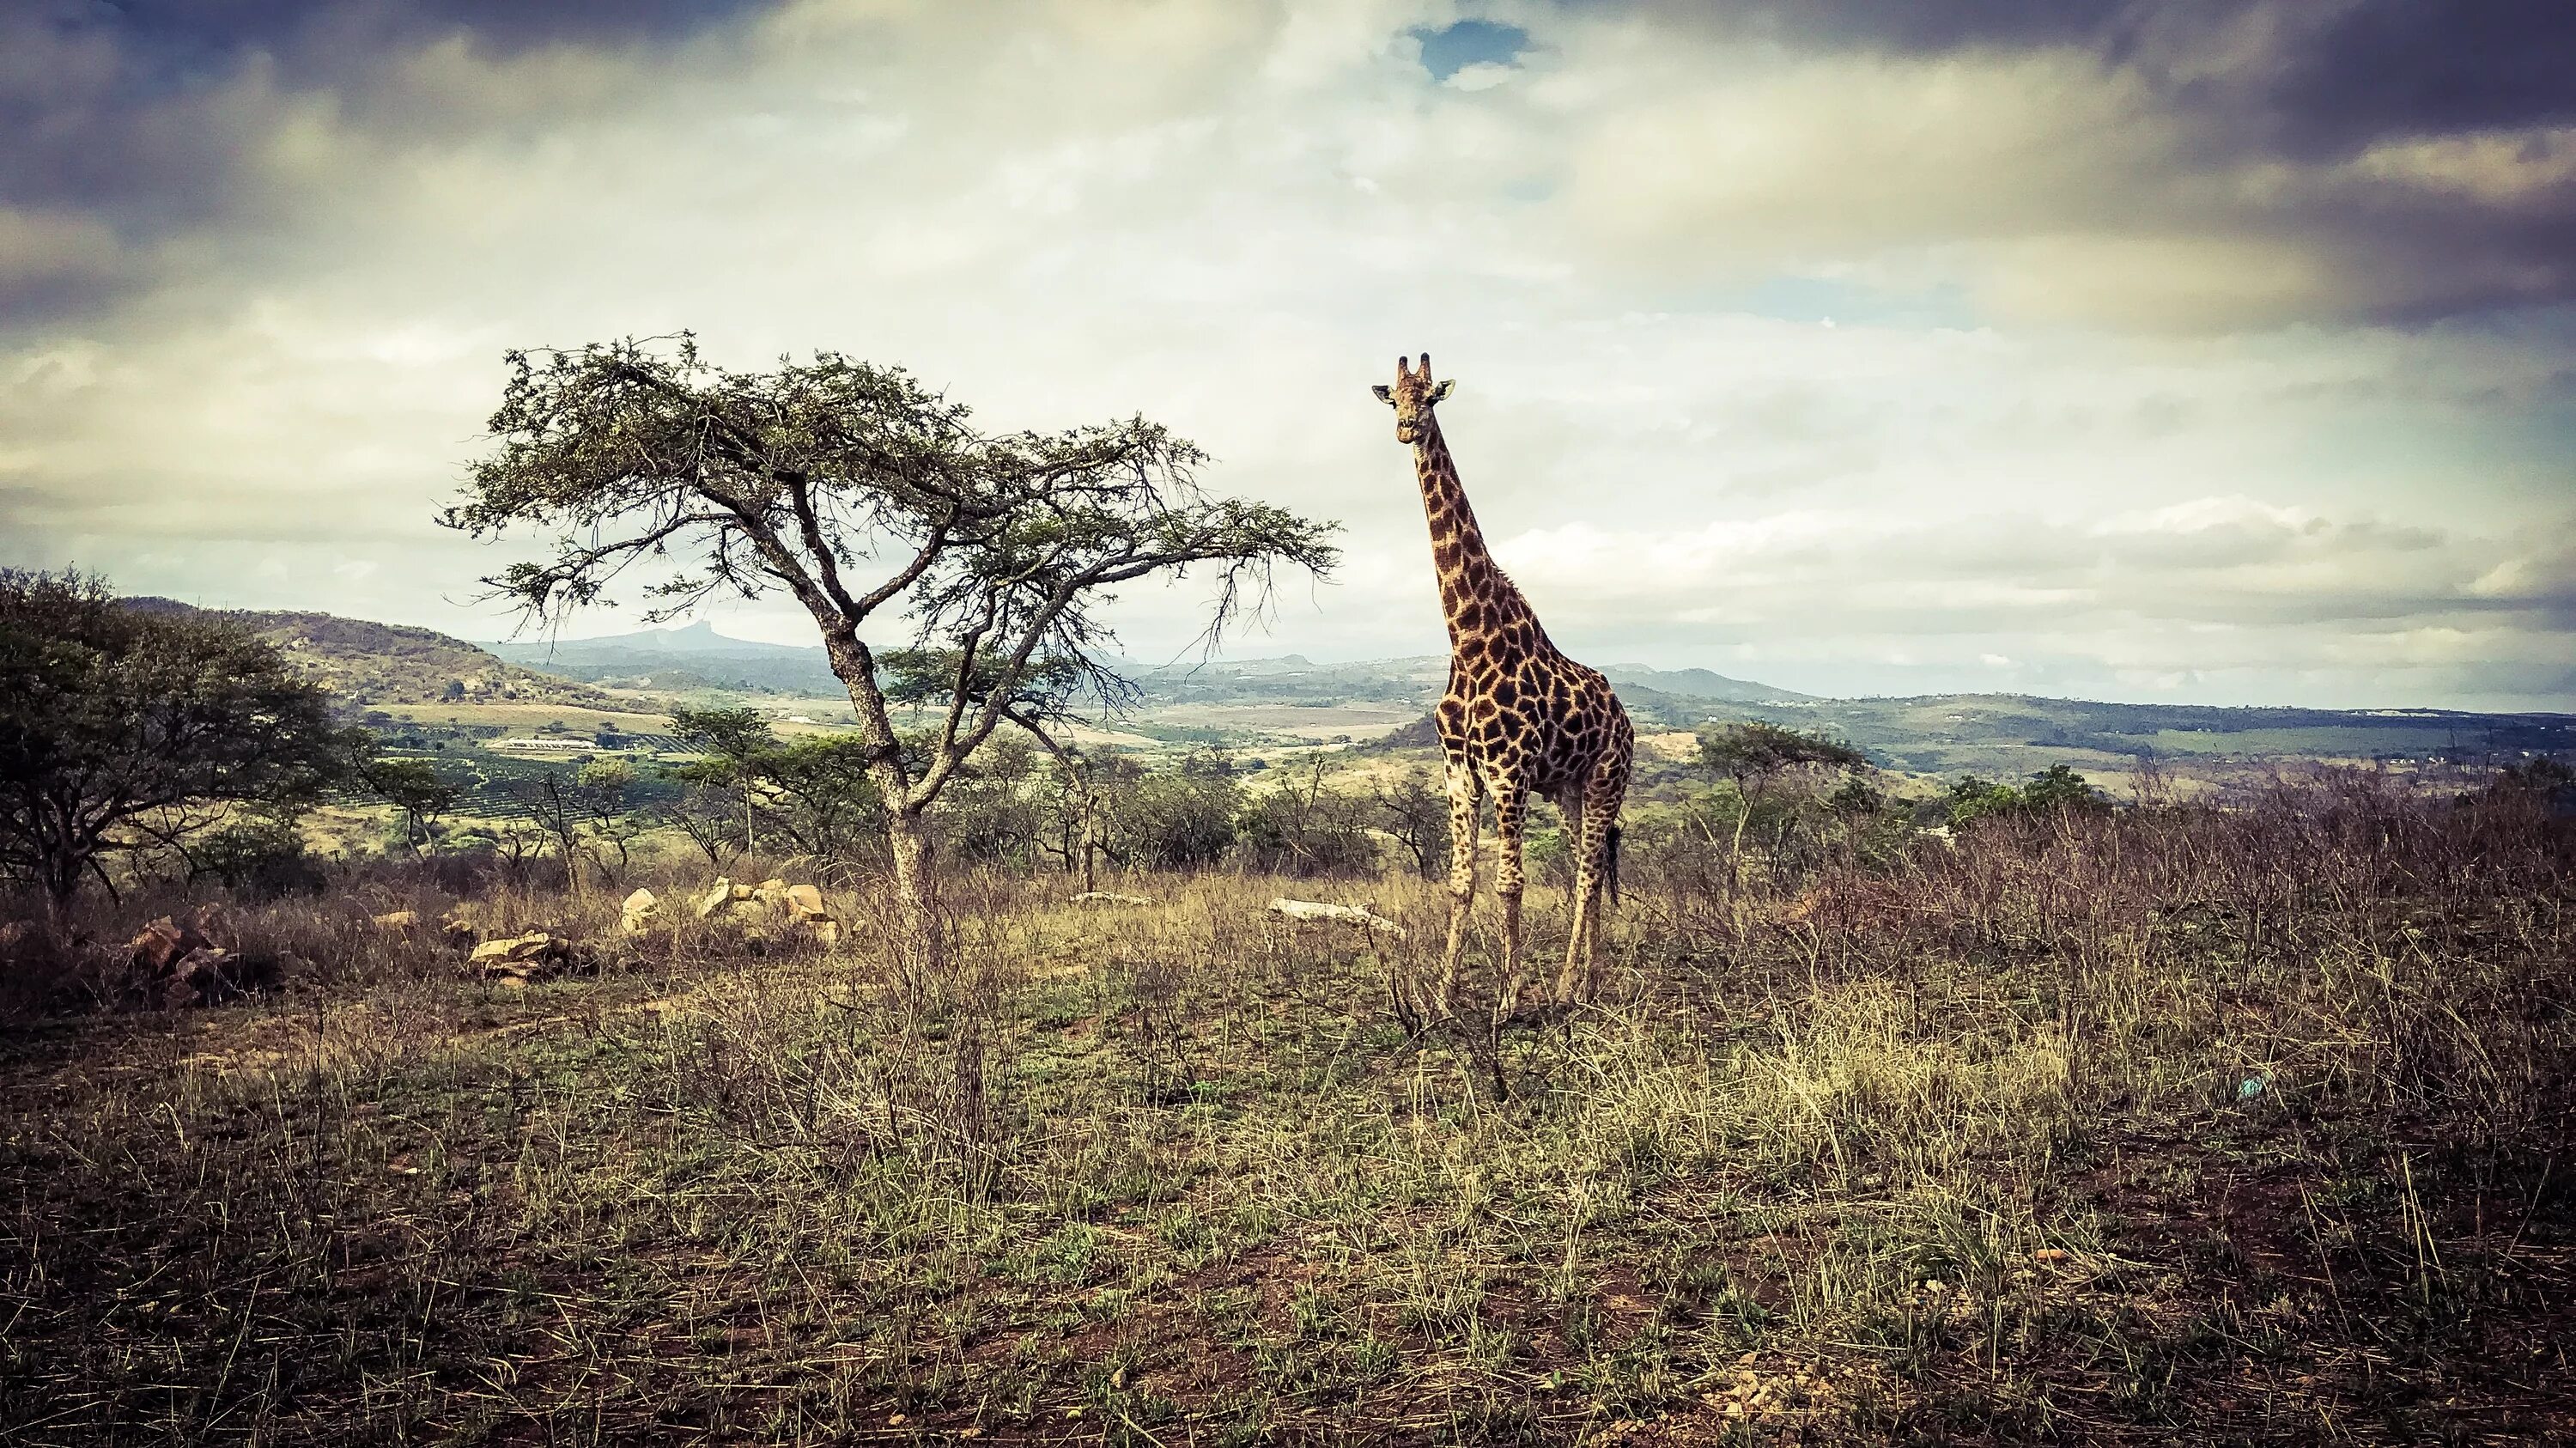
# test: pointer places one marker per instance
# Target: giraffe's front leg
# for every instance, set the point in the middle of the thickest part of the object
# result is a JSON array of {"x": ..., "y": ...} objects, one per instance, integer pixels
[
  {"x": 1466, "y": 799},
  {"x": 1511, "y": 803}
]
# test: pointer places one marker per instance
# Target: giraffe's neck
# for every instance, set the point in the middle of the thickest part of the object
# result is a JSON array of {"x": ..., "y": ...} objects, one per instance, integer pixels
[{"x": 1474, "y": 594}]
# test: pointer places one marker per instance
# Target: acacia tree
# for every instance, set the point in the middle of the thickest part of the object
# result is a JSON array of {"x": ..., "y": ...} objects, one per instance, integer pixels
[
  {"x": 1416, "y": 812},
  {"x": 880, "y": 508},
  {"x": 416, "y": 790},
  {"x": 1752, "y": 753},
  {"x": 124, "y": 728}
]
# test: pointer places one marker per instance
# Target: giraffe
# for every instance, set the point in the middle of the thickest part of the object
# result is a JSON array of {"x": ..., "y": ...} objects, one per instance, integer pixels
[{"x": 1518, "y": 717}]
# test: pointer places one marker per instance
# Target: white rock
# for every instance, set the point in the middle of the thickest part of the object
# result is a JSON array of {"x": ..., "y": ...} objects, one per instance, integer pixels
[{"x": 641, "y": 912}]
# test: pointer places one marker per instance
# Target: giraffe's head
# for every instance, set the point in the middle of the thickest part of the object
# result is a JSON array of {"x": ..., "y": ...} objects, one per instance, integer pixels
[{"x": 1412, "y": 397}]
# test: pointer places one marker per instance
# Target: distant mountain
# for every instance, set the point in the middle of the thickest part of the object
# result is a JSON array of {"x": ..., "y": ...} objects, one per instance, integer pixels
[
  {"x": 680, "y": 658},
  {"x": 1700, "y": 684},
  {"x": 365, "y": 663},
  {"x": 690, "y": 640}
]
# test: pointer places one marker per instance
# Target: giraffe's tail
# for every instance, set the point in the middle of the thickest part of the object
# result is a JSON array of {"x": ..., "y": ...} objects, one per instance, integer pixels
[{"x": 1610, "y": 869}]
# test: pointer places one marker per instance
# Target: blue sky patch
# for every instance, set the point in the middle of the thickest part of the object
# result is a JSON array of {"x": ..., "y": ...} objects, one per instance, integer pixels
[{"x": 1446, "y": 52}]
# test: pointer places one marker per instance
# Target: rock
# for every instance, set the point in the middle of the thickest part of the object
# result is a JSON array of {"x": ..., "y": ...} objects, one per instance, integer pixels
[
  {"x": 211, "y": 974},
  {"x": 807, "y": 900},
  {"x": 641, "y": 912},
  {"x": 401, "y": 922},
  {"x": 1307, "y": 911},
  {"x": 457, "y": 931},
  {"x": 175, "y": 992},
  {"x": 162, "y": 944},
  {"x": 212, "y": 922},
  {"x": 718, "y": 897},
  {"x": 1109, "y": 897},
  {"x": 521, "y": 955}
]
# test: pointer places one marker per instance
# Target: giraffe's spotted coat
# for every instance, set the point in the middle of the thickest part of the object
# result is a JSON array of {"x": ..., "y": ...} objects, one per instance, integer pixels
[{"x": 1518, "y": 718}]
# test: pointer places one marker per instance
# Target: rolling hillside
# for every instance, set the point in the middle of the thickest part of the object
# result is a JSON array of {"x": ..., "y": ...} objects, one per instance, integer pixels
[
  {"x": 1292, "y": 699},
  {"x": 367, "y": 664}
]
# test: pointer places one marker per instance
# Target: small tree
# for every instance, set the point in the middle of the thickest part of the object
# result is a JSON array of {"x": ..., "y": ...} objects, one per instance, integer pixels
[
  {"x": 610, "y": 816},
  {"x": 1303, "y": 828},
  {"x": 809, "y": 796},
  {"x": 123, "y": 729},
  {"x": 2058, "y": 788},
  {"x": 553, "y": 802},
  {"x": 1001, "y": 547},
  {"x": 1752, "y": 754},
  {"x": 1416, "y": 813},
  {"x": 716, "y": 805},
  {"x": 1181, "y": 818},
  {"x": 416, "y": 789}
]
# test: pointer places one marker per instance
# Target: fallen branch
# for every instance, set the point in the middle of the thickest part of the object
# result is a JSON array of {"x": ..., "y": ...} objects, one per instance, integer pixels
[{"x": 1308, "y": 911}]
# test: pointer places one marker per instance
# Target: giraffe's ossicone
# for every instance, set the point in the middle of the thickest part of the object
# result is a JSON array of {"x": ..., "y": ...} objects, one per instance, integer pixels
[{"x": 1519, "y": 718}]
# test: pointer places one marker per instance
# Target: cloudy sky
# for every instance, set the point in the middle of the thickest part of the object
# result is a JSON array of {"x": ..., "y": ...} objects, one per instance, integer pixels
[{"x": 2140, "y": 349}]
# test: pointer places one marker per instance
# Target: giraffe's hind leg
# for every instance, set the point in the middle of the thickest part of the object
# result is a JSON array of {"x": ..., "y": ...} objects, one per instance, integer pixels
[
  {"x": 1597, "y": 815},
  {"x": 1511, "y": 805},
  {"x": 1466, "y": 798}
]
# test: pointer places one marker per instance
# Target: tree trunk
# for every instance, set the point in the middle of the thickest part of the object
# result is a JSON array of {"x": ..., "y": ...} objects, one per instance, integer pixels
[
  {"x": 915, "y": 892},
  {"x": 62, "y": 877},
  {"x": 1090, "y": 843}
]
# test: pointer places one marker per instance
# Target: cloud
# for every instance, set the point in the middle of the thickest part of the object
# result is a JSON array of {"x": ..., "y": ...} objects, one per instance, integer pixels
[
  {"x": 2159, "y": 183},
  {"x": 2132, "y": 376},
  {"x": 165, "y": 134}
]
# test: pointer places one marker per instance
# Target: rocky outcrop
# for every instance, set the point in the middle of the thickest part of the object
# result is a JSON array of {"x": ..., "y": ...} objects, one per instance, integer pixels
[
  {"x": 801, "y": 908},
  {"x": 176, "y": 963}
]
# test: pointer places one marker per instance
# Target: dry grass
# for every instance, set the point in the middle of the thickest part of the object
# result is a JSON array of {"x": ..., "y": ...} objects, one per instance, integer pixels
[{"x": 2236, "y": 1127}]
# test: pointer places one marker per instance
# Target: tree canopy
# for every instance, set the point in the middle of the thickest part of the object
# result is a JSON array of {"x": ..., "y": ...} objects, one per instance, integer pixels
[
  {"x": 1754, "y": 751},
  {"x": 123, "y": 729},
  {"x": 1000, "y": 548}
]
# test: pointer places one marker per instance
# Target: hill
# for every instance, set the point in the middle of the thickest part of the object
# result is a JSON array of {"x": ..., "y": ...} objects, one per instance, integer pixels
[
  {"x": 694, "y": 657},
  {"x": 1698, "y": 684},
  {"x": 1295, "y": 701},
  {"x": 365, "y": 663},
  {"x": 2016, "y": 733}
]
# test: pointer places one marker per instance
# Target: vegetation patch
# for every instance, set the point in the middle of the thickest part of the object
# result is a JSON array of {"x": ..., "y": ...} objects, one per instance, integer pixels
[{"x": 2240, "y": 1125}]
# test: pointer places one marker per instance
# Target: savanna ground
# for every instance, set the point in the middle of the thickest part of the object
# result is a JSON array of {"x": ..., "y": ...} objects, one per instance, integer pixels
[{"x": 2240, "y": 1126}]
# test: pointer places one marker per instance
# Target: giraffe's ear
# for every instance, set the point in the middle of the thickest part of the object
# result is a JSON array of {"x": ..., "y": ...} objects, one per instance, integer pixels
[
  {"x": 1441, "y": 392},
  {"x": 1383, "y": 395}
]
